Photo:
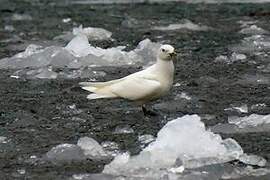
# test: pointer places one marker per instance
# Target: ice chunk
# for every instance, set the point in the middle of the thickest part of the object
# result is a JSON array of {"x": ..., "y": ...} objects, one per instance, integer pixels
[
  {"x": 222, "y": 58},
  {"x": 21, "y": 17},
  {"x": 9, "y": 28},
  {"x": 30, "y": 50},
  {"x": 66, "y": 20},
  {"x": 166, "y": 149},
  {"x": 93, "y": 33},
  {"x": 187, "y": 24},
  {"x": 233, "y": 58},
  {"x": 86, "y": 148},
  {"x": 147, "y": 50},
  {"x": 36, "y": 57},
  {"x": 41, "y": 73},
  {"x": 94, "y": 177},
  {"x": 46, "y": 73},
  {"x": 253, "y": 160},
  {"x": 82, "y": 73},
  {"x": 248, "y": 171},
  {"x": 208, "y": 117},
  {"x": 111, "y": 148},
  {"x": 233, "y": 148},
  {"x": 246, "y": 23},
  {"x": 253, "y": 45},
  {"x": 177, "y": 84},
  {"x": 232, "y": 128},
  {"x": 15, "y": 76},
  {"x": 88, "y": 61},
  {"x": 258, "y": 107},
  {"x": 69, "y": 110},
  {"x": 145, "y": 139},
  {"x": 66, "y": 37},
  {"x": 115, "y": 166},
  {"x": 33, "y": 160},
  {"x": 252, "y": 123},
  {"x": 123, "y": 129},
  {"x": 176, "y": 170},
  {"x": 65, "y": 152},
  {"x": 91, "y": 148},
  {"x": 79, "y": 46},
  {"x": 234, "y": 151},
  {"x": 80, "y": 176},
  {"x": 251, "y": 120},
  {"x": 241, "y": 109},
  {"x": 3, "y": 139},
  {"x": 77, "y": 119},
  {"x": 183, "y": 95},
  {"x": 74, "y": 60},
  {"x": 21, "y": 171},
  {"x": 254, "y": 30},
  {"x": 236, "y": 57}
]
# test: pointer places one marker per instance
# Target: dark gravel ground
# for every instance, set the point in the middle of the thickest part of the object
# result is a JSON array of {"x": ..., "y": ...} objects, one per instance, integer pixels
[{"x": 34, "y": 114}]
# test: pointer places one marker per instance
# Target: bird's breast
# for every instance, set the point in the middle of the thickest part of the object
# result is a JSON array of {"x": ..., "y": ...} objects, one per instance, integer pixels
[{"x": 165, "y": 77}]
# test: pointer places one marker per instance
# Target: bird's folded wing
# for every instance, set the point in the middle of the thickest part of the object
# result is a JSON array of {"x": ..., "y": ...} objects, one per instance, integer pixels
[
  {"x": 136, "y": 88},
  {"x": 99, "y": 84}
]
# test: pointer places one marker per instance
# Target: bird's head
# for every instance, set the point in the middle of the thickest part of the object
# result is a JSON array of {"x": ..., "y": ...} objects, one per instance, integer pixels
[{"x": 166, "y": 52}]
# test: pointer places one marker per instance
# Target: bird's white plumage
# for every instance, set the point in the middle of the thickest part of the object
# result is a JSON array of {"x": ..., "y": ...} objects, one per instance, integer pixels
[
  {"x": 141, "y": 86},
  {"x": 136, "y": 88}
]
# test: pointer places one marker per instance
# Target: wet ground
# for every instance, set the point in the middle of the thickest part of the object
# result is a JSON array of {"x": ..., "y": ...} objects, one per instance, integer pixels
[{"x": 36, "y": 115}]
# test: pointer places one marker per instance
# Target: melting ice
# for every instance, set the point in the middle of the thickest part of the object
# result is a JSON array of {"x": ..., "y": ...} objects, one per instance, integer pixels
[
  {"x": 183, "y": 149},
  {"x": 235, "y": 57},
  {"x": 257, "y": 43},
  {"x": 253, "y": 30},
  {"x": 92, "y": 33},
  {"x": 86, "y": 148},
  {"x": 251, "y": 123},
  {"x": 187, "y": 24},
  {"x": 253, "y": 44},
  {"x": 21, "y": 17},
  {"x": 184, "y": 139},
  {"x": 76, "y": 59}
]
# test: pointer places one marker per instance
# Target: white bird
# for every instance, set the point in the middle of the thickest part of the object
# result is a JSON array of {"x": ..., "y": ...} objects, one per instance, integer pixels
[{"x": 141, "y": 87}]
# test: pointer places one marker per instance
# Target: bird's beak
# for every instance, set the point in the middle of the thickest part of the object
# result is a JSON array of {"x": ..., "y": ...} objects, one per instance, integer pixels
[{"x": 173, "y": 54}]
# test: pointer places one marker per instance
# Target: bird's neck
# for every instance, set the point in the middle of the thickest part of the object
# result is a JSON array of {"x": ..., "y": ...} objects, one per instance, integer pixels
[{"x": 165, "y": 66}]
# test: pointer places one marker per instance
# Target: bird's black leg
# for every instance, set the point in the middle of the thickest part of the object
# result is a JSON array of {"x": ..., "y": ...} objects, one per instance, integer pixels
[
  {"x": 144, "y": 110},
  {"x": 148, "y": 112}
]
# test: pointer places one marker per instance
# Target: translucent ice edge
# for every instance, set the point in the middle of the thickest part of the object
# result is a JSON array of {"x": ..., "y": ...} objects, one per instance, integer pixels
[
  {"x": 184, "y": 149},
  {"x": 77, "y": 59},
  {"x": 187, "y": 24},
  {"x": 246, "y": 124},
  {"x": 92, "y": 33},
  {"x": 85, "y": 148},
  {"x": 181, "y": 143}
]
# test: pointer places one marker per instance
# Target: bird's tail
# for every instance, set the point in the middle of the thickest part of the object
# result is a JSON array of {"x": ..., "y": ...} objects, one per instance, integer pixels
[
  {"x": 97, "y": 96},
  {"x": 99, "y": 89}
]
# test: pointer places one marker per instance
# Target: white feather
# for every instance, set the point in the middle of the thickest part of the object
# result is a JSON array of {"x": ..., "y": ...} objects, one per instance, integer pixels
[{"x": 141, "y": 86}]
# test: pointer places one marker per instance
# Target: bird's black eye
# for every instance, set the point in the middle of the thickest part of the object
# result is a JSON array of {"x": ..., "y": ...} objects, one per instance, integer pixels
[{"x": 163, "y": 50}]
